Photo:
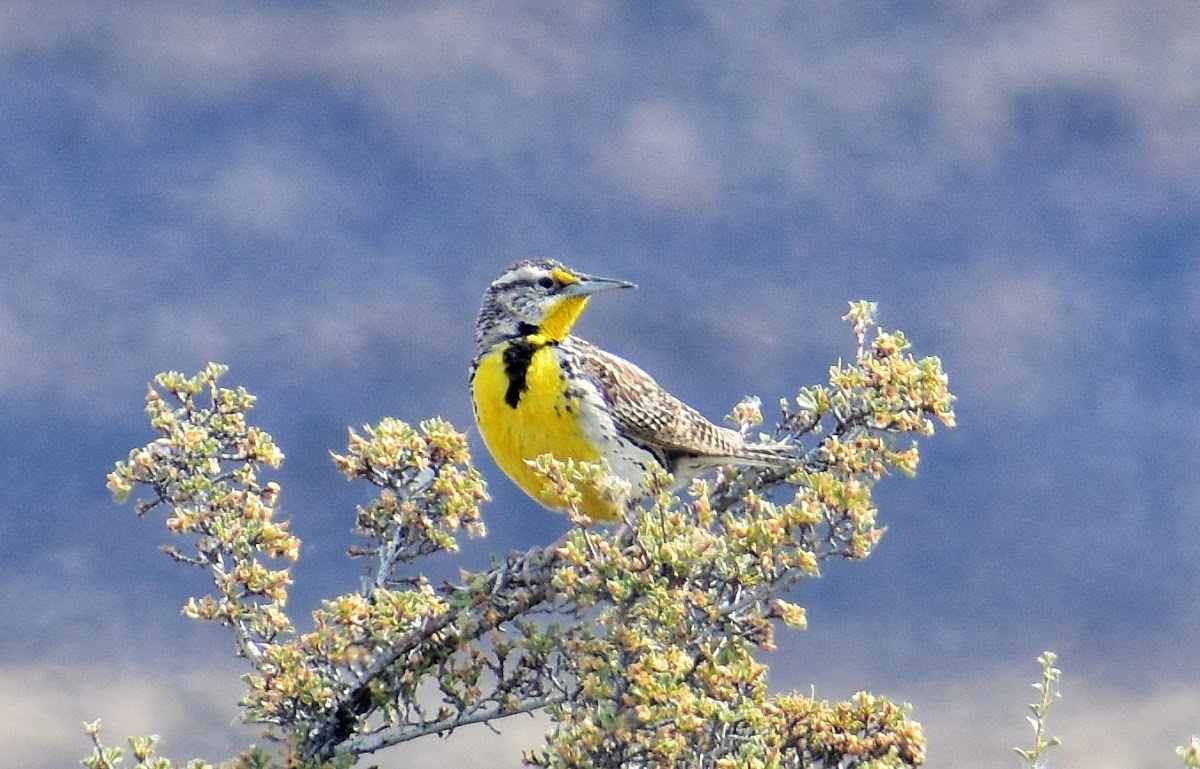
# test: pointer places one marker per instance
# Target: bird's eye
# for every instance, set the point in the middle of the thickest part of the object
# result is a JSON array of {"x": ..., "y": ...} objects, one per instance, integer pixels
[{"x": 546, "y": 282}]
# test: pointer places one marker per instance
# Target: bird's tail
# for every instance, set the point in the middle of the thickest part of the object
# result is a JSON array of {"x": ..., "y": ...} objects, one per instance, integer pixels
[{"x": 774, "y": 455}]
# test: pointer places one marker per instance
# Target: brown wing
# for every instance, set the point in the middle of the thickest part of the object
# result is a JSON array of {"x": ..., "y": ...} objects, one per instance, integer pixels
[{"x": 649, "y": 415}]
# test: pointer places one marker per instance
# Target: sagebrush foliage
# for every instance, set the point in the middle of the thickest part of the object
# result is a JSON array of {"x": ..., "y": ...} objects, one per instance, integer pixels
[{"x": 641, "y": 642}]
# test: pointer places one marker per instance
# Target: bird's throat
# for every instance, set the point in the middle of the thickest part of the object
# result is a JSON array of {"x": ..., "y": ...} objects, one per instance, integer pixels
[{"x": 562, "y": 317}]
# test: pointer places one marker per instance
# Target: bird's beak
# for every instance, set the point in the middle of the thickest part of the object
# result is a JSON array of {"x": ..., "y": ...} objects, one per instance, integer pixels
[{"x": 590, "y": 284}]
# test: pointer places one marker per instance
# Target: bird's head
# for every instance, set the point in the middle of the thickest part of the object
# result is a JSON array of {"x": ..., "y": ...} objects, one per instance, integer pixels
[{"x": 536, "y": 296}]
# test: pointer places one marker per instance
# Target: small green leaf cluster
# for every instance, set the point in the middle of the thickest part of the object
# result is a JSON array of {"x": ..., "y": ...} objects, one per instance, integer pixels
[
  {"x": 143, "y": 750},
  {"x": 885, "y": 391},
  {"x": 1190, "y": 753},
  {"x": 430, "y": 489},
  {"x": 374, "y": 648},
  {"x": 1048, "y": 691},
  {"x": 205, "y": 467},
  {"x": 865, "y": 420}
]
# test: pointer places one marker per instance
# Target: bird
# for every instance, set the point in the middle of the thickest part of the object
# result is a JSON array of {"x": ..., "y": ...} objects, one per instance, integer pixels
[{"x": 537, "y": 389}]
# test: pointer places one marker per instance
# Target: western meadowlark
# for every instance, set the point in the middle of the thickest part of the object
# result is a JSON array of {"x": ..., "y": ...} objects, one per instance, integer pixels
[{"x": 538, "y": 390}]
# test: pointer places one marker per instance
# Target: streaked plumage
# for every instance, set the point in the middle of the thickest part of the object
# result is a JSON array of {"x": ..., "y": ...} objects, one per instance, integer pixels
[{"x": 536, "y": 389}]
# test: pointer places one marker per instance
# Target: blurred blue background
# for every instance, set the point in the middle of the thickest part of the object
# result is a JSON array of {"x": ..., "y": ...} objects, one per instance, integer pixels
[{"x": 317, "y": 195}]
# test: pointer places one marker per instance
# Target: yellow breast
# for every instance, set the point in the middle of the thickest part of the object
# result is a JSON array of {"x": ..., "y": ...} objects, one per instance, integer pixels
[{"x": 544, "y": 420}]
